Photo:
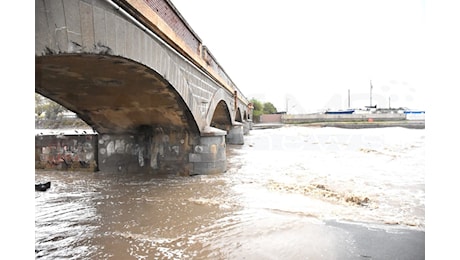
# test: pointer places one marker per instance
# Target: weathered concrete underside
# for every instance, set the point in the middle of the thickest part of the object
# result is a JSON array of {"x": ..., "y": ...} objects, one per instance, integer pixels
[{"x": 112, "y": 94}]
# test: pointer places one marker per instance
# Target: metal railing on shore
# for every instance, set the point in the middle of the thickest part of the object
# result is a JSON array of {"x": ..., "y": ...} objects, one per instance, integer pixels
[{"x": 311, "y": 118}]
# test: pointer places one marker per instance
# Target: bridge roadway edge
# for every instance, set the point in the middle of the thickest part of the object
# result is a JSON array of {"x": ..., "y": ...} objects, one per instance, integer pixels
[{"x": 201, "y": 154}]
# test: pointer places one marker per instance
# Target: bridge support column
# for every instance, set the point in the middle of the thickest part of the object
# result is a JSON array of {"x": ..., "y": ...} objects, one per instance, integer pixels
[
  {"x": 236, "y": 134},
  {"x": 247, "y": 126},
  {"x": 153, "y": 150},
  {"x": 209, "y": 155}
]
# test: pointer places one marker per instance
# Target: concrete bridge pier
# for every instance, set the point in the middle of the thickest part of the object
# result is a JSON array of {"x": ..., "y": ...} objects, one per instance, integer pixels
[
  {"x": 151, "y": 150},
  {"x": 235, "y": 135},
  {"x": 209, "y": 156},
  {"x": 164, "y": 151},
  {"x": 247, "y": 126}
]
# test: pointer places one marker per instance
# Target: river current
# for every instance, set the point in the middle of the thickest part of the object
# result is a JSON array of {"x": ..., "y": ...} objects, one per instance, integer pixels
[{"x": 281, "y": 189}]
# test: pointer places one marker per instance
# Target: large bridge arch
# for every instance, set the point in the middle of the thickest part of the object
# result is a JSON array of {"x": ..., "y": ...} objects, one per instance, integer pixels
[
  {"x": 97, "y": 28},
  {"x": 112, "y": 94}
]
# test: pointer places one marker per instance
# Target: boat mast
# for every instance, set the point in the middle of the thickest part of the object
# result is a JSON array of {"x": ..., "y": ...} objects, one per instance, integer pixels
[
  {"x": 371, "y": 95},
  {"x": 348, "y": 98},
  {"x": 287, "y": 104}
]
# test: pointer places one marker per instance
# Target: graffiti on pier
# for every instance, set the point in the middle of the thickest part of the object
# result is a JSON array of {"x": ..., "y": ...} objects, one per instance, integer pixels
[{"x": 70, "y": 152}]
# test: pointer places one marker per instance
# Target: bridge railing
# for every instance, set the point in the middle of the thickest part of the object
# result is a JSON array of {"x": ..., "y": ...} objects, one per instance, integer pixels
[
  {"x": 182, "y": 37},
  {"x": 212, "y": 61}
]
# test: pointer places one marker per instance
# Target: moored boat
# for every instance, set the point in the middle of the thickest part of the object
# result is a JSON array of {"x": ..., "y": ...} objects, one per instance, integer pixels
[{"x": 339, "y": 112}]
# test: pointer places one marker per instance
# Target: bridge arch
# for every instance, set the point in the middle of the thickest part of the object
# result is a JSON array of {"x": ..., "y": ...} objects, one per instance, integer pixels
[
  {"x": 221, "y": 116},
  {"x": 238, "y": 117},
  {"x": 112, "y": 94},
  {"x": 219, "y": 101}
]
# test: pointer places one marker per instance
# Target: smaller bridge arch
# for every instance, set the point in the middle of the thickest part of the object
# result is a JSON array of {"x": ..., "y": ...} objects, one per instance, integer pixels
[
  {"x": 219, "y": 97},
  {"x": 221, "y": 117},
  {"x": 238, "y": 116}
]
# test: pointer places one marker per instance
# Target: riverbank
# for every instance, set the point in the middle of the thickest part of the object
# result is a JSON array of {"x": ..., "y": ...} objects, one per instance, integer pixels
[
  {"x": 412, "y": 124},
  {"x": 379, "y": 124}
]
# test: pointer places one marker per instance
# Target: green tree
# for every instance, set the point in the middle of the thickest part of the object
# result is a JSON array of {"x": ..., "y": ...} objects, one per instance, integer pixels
[
  {"x": 258, "y": 108},
  {"x": 39, "y": 104},
  {"x": 50, "y": 108},
  {"x": 269, "y": 108},
  {"x": 261, "y": 108},
  {"x": 53, "y": 110},
  {"x": 49, "y": 115}
]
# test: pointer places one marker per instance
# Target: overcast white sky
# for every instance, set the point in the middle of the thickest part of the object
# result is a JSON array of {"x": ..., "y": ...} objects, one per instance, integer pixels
[{"x": 312, "y": 52}]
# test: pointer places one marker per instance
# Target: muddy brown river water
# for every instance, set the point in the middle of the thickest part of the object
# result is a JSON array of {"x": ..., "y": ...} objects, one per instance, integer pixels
[{"x": 288, "y": 193}]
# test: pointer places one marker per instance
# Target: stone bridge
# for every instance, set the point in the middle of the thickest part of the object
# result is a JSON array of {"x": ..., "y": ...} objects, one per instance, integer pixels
[{"x": 136, "y": 72}]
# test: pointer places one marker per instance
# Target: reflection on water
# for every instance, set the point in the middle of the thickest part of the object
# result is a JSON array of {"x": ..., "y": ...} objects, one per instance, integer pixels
[{"x": 280, "y": 189}]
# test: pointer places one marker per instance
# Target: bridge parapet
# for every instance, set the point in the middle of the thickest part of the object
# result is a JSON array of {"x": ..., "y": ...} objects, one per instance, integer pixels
[{"x": 162, "y": 17}]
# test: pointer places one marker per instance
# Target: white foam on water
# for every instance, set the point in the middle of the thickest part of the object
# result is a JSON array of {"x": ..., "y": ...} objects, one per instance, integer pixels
[{"x": 369, "y": 175}]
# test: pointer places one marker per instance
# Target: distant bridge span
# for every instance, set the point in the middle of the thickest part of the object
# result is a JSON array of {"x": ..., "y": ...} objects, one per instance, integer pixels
[{"x": 138, "y": 74}]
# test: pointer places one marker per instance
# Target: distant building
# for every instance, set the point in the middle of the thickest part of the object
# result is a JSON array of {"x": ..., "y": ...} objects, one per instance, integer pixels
[{"x": 271, "y": 118}]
